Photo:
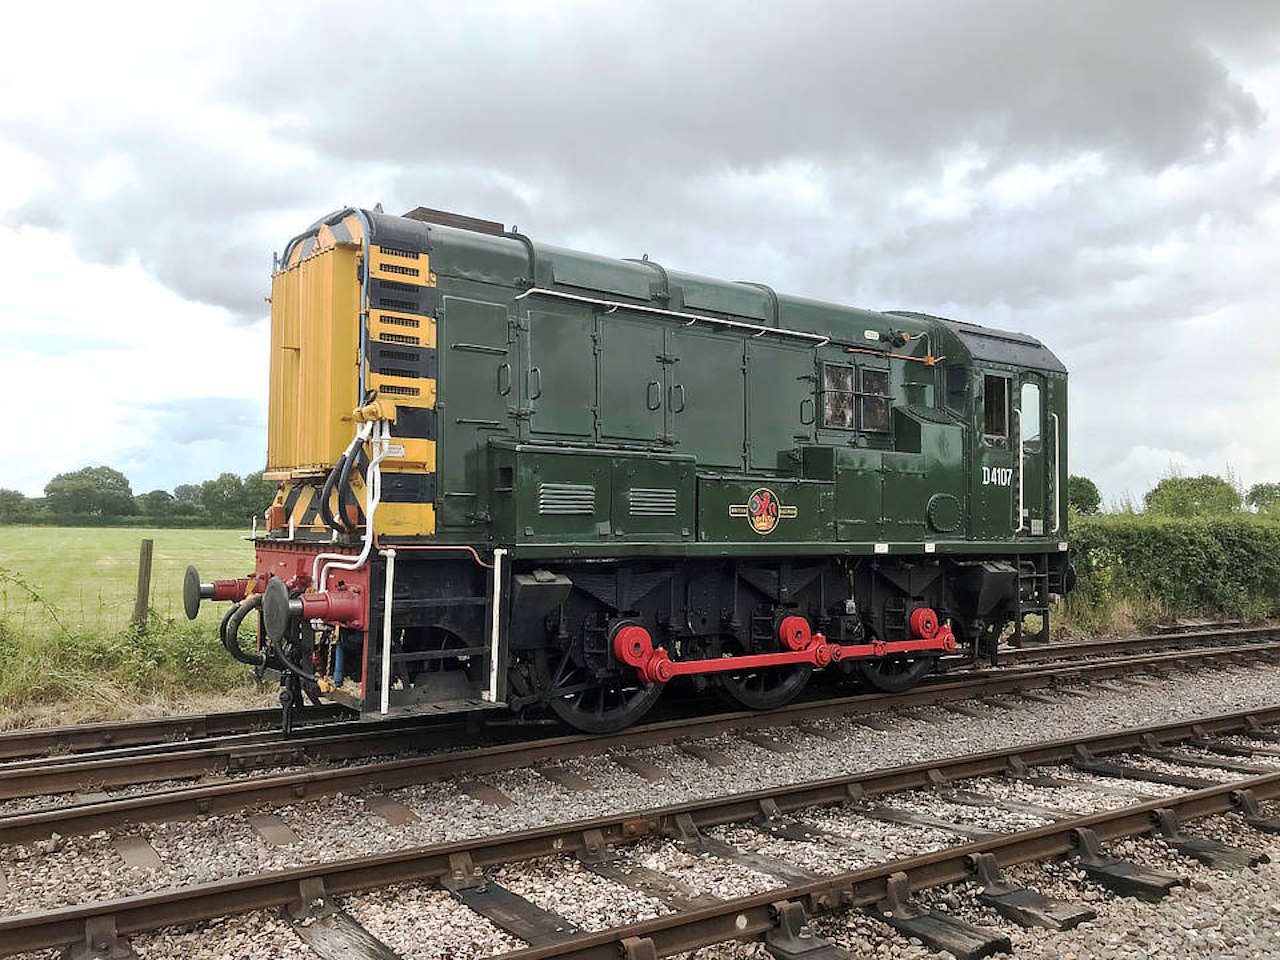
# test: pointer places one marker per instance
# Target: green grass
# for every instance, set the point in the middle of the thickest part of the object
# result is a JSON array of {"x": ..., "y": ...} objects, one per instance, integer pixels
[
  {"x": 89, "y": 575},
  {"x": 68, "y": 649}
]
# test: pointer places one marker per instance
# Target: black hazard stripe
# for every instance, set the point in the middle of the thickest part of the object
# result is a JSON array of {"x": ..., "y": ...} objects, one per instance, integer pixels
[{"x": 313, "y": 508}]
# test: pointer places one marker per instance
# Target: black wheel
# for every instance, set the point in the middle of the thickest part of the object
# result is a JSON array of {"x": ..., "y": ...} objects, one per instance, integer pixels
[
  {"x": 767, "y": 688},
  {"x": 590, "y": 703},
  {"x": 897, "y": 675}
]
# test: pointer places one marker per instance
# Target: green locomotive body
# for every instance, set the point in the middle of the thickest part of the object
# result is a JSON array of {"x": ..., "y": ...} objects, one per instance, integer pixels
[{"x": 595, "y": 467}]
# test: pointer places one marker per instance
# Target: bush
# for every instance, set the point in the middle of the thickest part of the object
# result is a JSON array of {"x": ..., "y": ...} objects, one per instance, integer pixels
[{"x": 1134, "y": 568}]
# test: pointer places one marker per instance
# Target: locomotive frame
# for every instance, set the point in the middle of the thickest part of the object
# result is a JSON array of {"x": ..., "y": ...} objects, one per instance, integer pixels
[{"x": 517, "y": 476}]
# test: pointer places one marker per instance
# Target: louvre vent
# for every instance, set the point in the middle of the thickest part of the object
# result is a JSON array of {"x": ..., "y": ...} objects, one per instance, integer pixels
[
  {"x": 652, "y": 502},
  {"x": 566, "y": 499},
  {"x": 397, "y": 390},
  {"x": 397, "y": 338}
]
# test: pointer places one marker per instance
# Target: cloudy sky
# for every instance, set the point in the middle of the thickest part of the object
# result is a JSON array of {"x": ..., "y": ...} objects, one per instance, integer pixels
[{"x": 1105, "y": 176}]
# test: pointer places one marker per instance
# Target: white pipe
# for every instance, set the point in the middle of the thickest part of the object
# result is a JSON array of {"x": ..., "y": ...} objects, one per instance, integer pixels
[
  {"x": 1022, "y": 469},
  {"x": 386, "y": 630},
  {"x": 817, "y": 338},
  {"x": 494, "y": 630},
  {"x": 340, "y": 561},
  {"x": 1057, "y": 477},
  {"x": 362, "y": 433}
]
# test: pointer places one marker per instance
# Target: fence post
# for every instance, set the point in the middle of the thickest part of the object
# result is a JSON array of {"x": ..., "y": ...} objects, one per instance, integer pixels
[{"x": 143, "y": 601}]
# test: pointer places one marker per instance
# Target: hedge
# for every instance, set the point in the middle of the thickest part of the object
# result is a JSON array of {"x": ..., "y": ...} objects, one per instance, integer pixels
[
  {"x": 1227, "y": 565},
  {"x": 175, "y": 522}
]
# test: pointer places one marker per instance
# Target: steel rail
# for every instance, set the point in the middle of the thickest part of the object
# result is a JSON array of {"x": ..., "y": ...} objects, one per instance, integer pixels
[
  {"x": 58, "y": 744},
  {"x": 105, "y": 739},
  {"x": 234, "y": 795},
  {"x": 344, "y": 740},
  {"x": 1096, "y": 648},
  {"x": 136, "y": 914},
  {"x": 754, "y": 916},
  {"x": 78, "y": 738}
]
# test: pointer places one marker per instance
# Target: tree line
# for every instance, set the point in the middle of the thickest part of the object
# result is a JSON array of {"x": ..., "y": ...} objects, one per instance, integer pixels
[
  {"x": 1183, "y": 497},
  {"x": 103, "y": 495}
]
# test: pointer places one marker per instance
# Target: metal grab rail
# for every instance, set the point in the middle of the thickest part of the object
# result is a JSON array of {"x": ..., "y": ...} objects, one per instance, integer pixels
[
  {"x": 1022, "y": 470},
  {"x": 1057, "y": 477},
  {"x": 816, "y": 339}
]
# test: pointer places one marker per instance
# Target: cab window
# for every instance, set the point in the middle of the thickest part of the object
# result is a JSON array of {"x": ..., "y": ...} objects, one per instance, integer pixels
[
  {"x": 1029, "y": 417},
  {"x": 837, "y": 396},
  {"x": 875, "y": 400},
  {"x": 957, "y": 388},
  {"x": 995, "y": 407}
]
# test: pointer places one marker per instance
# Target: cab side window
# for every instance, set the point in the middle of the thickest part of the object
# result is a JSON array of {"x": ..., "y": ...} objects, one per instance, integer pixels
[
  {"x": 875, "y": 400},
  {"x": 957, "y": 388},
  {"x": 1029, "y": 412},
  {"x": 995, "y": 407},
  {"x": 856, "y": 398},
  {"x": 837, "y": 396}
]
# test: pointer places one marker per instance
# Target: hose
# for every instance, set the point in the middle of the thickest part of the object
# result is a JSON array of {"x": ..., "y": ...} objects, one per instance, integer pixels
[
  {"x": 230, "y": 631},
  {"x": 292, "y": 667},
  {"x": 327, "y": 491},
  {"x": 344, "y": 491}
]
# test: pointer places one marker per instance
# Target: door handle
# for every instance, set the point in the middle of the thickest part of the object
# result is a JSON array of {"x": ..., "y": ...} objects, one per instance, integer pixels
[
  {"x": 535, "y": 373},
  {"x": 504, "y": 379},
  {"x": 807, "y": 403},
  {"x": 653, "y": 395},
  {"x": 671, "y": 398}
]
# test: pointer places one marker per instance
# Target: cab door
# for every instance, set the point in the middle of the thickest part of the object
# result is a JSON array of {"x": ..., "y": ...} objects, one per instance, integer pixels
[
  {"x": 1033, "y": 468},
  {"x": 994, "y": 478}
]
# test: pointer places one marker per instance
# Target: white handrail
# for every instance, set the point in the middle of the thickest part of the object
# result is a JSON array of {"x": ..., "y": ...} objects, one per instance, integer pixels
[
  {"x": 386, "y": 629},
  {"x": 1022, "y": 469},
  {"x": 1057, "y": 477},
  {"x": 691, "y": 318},
  {"x": 495, "y": 625}
]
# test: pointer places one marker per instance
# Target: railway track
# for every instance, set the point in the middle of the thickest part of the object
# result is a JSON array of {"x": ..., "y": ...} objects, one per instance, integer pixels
[
  {"x": 178, "y": 732},
  {"x": 94, "y": 810},
  {"x": 1149, "y": 779}
]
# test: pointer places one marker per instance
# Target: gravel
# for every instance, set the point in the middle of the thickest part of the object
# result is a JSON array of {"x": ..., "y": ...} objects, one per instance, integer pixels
[
  {"x": 425, "y": 923},
  {"x": 702, "y": 871},
  {"x": 80, "y": 868},
  {"x": 254, "y": 936},
  {"x": 565, "y": 887}
]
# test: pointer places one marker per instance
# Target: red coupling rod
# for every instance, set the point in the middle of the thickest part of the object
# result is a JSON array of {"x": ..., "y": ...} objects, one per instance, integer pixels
[{"x": 633, "y": 646}]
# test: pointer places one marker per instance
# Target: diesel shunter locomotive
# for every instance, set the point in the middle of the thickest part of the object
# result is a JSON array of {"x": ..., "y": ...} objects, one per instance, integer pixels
[{"x": 514, "y": 476}]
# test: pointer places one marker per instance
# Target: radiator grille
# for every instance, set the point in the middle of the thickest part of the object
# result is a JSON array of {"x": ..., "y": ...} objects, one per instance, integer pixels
[
  {"x": 397, "y": 390},
  {"x": 566, "y": 499},
  {"x": 652, "y": 502},
  {"x": 397, "y": 338},
  {"x": 401, "y": 321}
]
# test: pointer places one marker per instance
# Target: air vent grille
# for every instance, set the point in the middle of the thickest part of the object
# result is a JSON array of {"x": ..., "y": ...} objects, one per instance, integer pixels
[
  {"x": 566, "y": 499},
  {"x": 652, "y": 502}
]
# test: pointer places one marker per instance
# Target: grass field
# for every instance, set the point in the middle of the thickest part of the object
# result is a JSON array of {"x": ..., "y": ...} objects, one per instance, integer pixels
[
  {"x": 88, "y": 575},
  {"x": 68, "y": 650}
]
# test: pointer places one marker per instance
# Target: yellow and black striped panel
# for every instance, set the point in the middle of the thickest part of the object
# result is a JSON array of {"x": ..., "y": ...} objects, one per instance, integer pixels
[
  {"x": 400, "y": 353},
  {"x": 347, "y": 230}
]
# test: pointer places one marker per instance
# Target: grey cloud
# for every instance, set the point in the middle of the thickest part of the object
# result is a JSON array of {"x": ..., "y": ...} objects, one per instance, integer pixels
[{"x": 780, "y": 147}]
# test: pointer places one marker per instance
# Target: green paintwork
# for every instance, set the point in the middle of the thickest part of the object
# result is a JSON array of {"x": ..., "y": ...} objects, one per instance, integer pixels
[{"x": 595, "y": 429}]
